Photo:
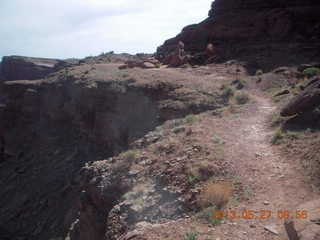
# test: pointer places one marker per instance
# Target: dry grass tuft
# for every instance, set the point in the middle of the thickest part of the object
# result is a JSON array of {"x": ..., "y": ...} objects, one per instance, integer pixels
[{"x": 216, "y": 194}]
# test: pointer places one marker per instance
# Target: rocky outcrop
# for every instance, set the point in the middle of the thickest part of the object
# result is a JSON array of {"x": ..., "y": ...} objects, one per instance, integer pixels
[
  {"x": 51, "y": 128},
  {"x": 307, "y": 225},
  {"x": 28, "y": 68},
  {"x": 307, "y": 103},
  {"x": 257, "y": 31}
]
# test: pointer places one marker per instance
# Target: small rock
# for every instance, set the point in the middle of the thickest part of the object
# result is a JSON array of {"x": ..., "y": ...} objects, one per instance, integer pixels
[
  {"x": 133, "y": 172},
  {"x": 266, "y": 203},
  {"x": 252, "y": 225},
  {"x": 271, "y": 229}
]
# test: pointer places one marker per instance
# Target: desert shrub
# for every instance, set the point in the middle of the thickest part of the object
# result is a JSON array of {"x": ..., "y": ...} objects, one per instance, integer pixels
[
  {"x": 227, "y": 89},
  {"x": 185, "y": 66},
  {"x": 193, "y": 104},
  {"x": 218, "y": 139},
  {"x": 158, "y": 65},
  {"x": 191, "y": 235},
  {"x": 193, "y": 175},
  {"x": 210, "y": 215},
  {"x": 240, "y": 98},
  {"x": 190, "y": 118},
  {"x": 259, "y": 72},
  {"x": 309, "y": 72},
  {"x": 127, "y": 159},
  {"x": 215, "y": 194},
  {"x": 234, "y": 202},
  {"x": 224, "y": 86},
  {"x": 248, "y": 193},
  {"x": 239, "y": 82},
  {"x": 277, "y": 138},
  {"x": 276, "y": 119}
]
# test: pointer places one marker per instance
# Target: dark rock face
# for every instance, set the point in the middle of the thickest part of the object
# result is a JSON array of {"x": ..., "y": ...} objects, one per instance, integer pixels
[
  {"x": 16, "y": 67},
  {"x": 28, "y": 68},
  {"x": 255, "y": 30},
  {"x": 307, "y": 103}
]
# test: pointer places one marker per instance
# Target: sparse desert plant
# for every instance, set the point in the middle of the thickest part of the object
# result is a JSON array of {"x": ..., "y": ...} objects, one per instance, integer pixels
[
  {"x": 276, "y": 119},
  {"x": 234, "y": 202},
  {"x": 215, "y": 194},
  {"x": 210, "y": 214},
  {"x": 227, "y": 89},
  {"x": 240, "y": 98},
  {"x": 127, "y": 159},
  {"x": 158, "y": 65},
  {"x": 248, "y": 193},
  {"x": 218, "y": 139},
  {"x": 239, "y": 82},
  {"x": 224, "y": 86},
  {"x": 259, "y": 72},
  {"x": 190, "y": 118},
  {"x": 185, "y": 66},
  {"x": 129, "y": 156},
  {"x": 309, "y": 72},
  {"x": 193, "y": 104},
  {"x": 191, "y": 235},
  {"x": 193, "y": 175},
  {"x": 277, "y": 138}
]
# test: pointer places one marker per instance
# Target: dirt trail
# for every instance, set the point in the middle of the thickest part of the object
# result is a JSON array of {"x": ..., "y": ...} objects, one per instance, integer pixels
[{"x": 277, "y": 183}]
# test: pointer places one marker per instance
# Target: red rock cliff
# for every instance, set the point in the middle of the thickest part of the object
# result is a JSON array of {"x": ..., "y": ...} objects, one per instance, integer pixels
[{"x": 262, "y": 30}]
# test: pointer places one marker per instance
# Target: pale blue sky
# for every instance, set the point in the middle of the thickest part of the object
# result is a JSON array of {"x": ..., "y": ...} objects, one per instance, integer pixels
[{"x": 79, "y": 28}]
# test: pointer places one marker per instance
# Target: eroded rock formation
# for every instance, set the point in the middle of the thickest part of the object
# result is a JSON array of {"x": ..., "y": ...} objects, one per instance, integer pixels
[
  {"x": 50, "y": 128},
  {"x": 266, "y": 33}
]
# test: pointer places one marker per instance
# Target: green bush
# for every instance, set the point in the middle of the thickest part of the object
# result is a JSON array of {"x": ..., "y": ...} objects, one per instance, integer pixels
[
  {"x": 185, "y": 66},
  {"x": 190, "y": 118},
  {"x": 277, "y": 138},
  {"x": 240, "y": 98},
  {"x": 191, "y": 235},
  {"x": 276, "y": 118},
  {"x": 309, "y": 72},
  {"x": 227, "y": 89},
  {"x": 239, "y": 82}
]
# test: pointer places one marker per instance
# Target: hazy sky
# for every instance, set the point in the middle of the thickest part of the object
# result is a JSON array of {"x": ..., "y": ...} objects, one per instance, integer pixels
[{"x": 79, "y": 28}]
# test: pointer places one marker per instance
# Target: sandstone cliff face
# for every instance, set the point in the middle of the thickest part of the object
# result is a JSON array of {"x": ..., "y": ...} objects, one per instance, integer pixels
[
  {"x": 50, "y": 128},
  {"x": 259, "y": 31}
]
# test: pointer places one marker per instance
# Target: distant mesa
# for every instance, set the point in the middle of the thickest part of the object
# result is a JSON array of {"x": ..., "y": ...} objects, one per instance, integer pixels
[{"x": 30, "y": 68}]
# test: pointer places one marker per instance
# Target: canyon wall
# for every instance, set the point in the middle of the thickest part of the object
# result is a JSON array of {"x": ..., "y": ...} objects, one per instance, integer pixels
[
  {"x": 52, "y": 128},
  {"x": 265, "y": 33}
]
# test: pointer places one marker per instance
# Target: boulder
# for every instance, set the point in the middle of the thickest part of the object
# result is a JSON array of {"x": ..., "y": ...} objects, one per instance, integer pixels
[
  {"x": 308, "y": 228},
  {"x": 124, "y": 66},
  {"x": 210, "y": 50},
  {"x": 148, "y": 65},
  {"x": 305, "y": 102},
  {"x": 176, "y": 58},
  {"x": 133, "y": 63}
]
